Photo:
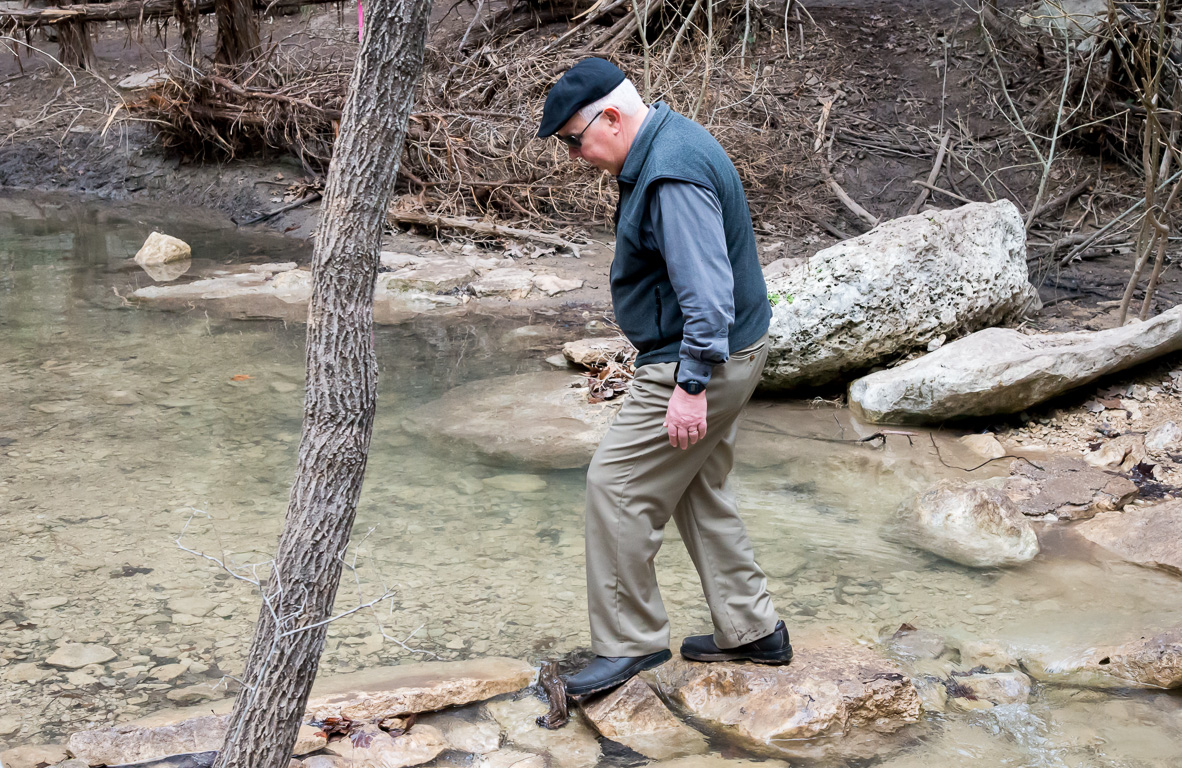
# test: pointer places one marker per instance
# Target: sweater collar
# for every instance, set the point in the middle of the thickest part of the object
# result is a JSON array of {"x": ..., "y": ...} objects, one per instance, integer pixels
[{"x": 643, "y": 143}]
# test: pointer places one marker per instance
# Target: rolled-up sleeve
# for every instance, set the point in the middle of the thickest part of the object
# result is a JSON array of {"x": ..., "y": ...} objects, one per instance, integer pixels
[{"x": 688, "y": 229}]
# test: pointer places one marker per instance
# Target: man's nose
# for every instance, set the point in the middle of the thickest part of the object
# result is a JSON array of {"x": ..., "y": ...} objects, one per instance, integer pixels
[{"x": 572, "y": 152}]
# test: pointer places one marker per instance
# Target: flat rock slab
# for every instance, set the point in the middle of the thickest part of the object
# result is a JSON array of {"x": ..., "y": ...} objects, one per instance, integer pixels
[
  {"x": 283, "y": 295},
  {"x": 898, "y": 287},
  {"x": 999, "y": 371},
  {"x": 1066, "y": 488},
  {"x": 835, "y": 699},
  {"x": 78, "y": 655},
  {"x": 130, "y": 744},
  {"x": 633, "y": 715},
  {"x": 33, "y": 756},
  {"x": 375, "y": 694},
  {"x": 1149, "y": 536},
  {"x": 572, "y": 746},
  {"x": 537, "y": 419}
]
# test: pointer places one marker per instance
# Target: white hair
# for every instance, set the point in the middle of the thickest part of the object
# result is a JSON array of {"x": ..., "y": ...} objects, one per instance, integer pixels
[{"x": 623, "y": 97}]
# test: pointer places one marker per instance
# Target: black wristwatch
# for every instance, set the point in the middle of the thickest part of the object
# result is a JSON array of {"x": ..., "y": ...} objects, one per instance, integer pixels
[{"x": 692, "y": 387}]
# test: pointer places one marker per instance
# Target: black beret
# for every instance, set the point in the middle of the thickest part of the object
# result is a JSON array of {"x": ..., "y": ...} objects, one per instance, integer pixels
[{"x": 585, "y": 82}]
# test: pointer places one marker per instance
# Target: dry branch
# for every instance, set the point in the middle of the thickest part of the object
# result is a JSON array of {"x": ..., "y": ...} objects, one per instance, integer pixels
[
  {"x": 486, "y": 228},
  {"x": 127, "y": 10}
]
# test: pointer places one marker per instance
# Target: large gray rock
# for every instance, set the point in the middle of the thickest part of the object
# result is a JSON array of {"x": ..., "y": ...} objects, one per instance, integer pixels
[
  {"x": 1149, "y": 536},
  {"x": 898, "y": 287},
  {"x": 1000, "y": 370},
  {"x": 534, "y": 418},
  {"x": 835, "y": 699},
  {"x": 968, "y": 524}
]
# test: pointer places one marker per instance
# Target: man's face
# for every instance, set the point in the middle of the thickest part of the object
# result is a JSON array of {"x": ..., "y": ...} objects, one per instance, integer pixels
[{"x": 600, "y": 140}]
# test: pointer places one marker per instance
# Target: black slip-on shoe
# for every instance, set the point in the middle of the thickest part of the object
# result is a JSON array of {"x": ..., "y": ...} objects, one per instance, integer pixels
[
  {"x": 770, "y": 649},
  {"x": 607, "y": 672}
]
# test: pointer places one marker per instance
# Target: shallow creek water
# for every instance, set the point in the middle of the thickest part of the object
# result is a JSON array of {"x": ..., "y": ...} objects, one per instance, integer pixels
[{"x": 120, "y": 426}]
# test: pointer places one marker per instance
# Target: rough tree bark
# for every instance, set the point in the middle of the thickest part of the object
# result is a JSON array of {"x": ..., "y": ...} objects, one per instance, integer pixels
[
  {"x": 238, "y": 31},
  {"x": 340, "y": 394}
]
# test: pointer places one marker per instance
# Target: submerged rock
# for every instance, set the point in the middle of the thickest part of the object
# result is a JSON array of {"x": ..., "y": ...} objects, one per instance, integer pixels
[
  {"x": 1067, "y": 488},
  {"x": 1149, "y": 535},
  {"x": 972, "y": 525},
  {"x": 998, "y": 371},
  {"x": 371, "y": 747},
  {"x": 534, "y": 418},
  {"x": 834, "y": 699},
  {"x": 633, "y": 715},
  {"x": 572, "y": 746},
  {"x": 896, "y": 288},
  {"x": 133, "y": 743},
  {"x": 160, "y": 248},
  {"x": 375, "y": 694},
  {"x": 475, "y": 736},
  {"x": 988, "y": 689},
  {"x": 1150, "y": 662}
]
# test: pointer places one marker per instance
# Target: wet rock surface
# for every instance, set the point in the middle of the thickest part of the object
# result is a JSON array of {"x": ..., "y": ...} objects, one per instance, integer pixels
[
  {"x": 1149, "y": 535},
  {"x": 972, "y": 525},
  {"x": 1153, "y": 662},
  {"x": 635, "y": 716},
  {"x": 572, "y": 746},
  {"x": 371, "y": 747},
  {"x": 988, "y": 689},
  {"x": 901, "y": 285},
  {"x": 1066, "y": 488},
  {"x": 834, "y": 699},
  {"x": 162, "y": 249},
  {"x": 999, "y": 371},
  {"x": 537, "y": 419}
]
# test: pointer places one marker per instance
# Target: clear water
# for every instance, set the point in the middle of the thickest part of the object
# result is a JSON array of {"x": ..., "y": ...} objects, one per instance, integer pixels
[{"x": 119, "y": 426}]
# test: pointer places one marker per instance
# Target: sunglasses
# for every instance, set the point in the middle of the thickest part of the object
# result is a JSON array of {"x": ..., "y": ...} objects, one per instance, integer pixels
[{"x": 574, "y": 141}]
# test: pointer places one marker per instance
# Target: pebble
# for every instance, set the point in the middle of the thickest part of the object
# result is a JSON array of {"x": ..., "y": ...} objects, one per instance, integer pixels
[
  {"x": 983, "y": 610},
  {"x": 9, "y": 725},
  {"x": 516, "y": 483},
  {"x": 48, "y": 603},
  {"x": 121, "y": 397}
]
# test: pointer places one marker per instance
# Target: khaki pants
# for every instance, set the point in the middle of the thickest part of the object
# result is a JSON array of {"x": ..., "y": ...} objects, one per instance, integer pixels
[{"x": 637, "y": 481}]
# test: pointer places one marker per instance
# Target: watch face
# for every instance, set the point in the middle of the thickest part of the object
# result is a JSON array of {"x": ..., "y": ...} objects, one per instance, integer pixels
[{"x": 692, "y": 387}]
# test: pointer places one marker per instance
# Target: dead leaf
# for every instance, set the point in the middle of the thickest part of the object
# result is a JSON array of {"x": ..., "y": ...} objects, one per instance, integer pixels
[{"x": 240, "y": 377}]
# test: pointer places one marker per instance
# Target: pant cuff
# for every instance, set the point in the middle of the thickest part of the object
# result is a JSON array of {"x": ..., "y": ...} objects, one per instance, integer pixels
[
  {"x": 626, "y": 648},
  {"x": 742, "y": 636}
]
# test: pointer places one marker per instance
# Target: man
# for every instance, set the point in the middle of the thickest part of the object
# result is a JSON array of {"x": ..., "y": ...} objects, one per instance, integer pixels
[{"x": 688, "y": 292}]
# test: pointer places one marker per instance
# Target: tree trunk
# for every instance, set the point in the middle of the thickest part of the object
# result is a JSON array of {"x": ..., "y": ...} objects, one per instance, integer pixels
[
  {"x": 74, "y": 47},
  {"x": 340, "y": 394},
  {"x": 187, "y": 16},
  {"x": 238, "y": 31}
]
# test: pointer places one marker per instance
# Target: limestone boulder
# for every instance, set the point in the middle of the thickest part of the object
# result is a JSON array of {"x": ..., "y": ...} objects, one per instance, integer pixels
[
  {"x": 432, "y": 276},
  {"x": 375, "y": 694},
  {"x": 552, "y": 285},
  {"x": 1066, "y": 488},
  {"x": 835, "y": 699},
  {"x": 160, "y": 248},
  {"x": 896, "y": 288},
  {"x": 1150, "y": 536},
  {"x": 371, "y": 747},
  {"x": 973, "y": 525},
  {"x": 596, "y": 353},
  {"x": 572, "y": 746},
  {"x": 506, "y": 282},
  {"x": 633, "y": 715},
  {"x": 128, "y": 744},
  {"x": 999, "y": 370},
  {"x": 535, "y": 419}
]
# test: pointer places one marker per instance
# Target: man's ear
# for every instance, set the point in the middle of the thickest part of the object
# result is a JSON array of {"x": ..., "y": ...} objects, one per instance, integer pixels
[{"x": 613, "y": 117}]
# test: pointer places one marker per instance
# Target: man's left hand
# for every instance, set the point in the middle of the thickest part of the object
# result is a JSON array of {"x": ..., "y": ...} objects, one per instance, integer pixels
[{"x": 686, "y": 418}]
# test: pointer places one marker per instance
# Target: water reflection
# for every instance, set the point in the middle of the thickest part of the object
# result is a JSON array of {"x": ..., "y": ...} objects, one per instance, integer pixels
[{"x": 117, "y": 423}]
